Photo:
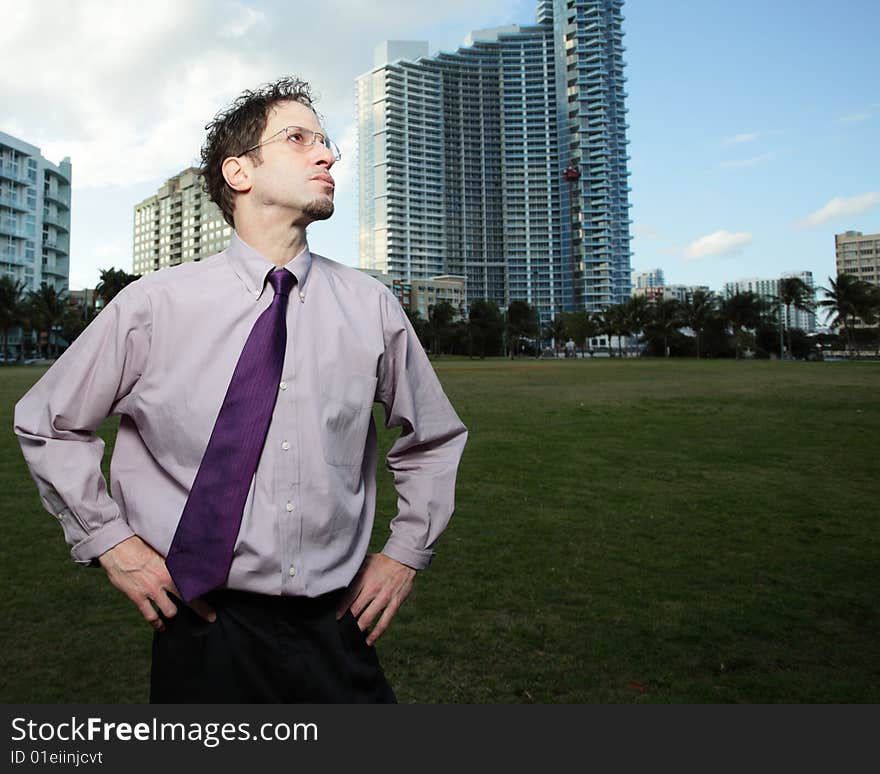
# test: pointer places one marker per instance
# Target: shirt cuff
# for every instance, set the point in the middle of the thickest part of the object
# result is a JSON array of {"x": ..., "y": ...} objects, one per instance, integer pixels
[
  {"x": 101, "y": 541},
  {"x": 418, "y": 559}
]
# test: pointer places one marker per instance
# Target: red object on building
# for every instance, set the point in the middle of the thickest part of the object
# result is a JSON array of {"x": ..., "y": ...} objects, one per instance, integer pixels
[{"x": 571, "y": 173}]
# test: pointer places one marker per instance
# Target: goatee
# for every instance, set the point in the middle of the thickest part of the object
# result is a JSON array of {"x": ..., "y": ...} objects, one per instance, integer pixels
[{"x": 319, "y": 209}]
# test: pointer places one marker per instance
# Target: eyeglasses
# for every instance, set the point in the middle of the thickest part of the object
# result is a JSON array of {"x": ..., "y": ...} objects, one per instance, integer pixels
[{"x": 301, "y": 136}]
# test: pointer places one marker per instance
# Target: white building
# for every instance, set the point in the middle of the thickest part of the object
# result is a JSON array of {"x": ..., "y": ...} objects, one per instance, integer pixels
[
  {"x": 35, "y": 200},
  {"x": 768, "y": 289},
  {"x": 177, "y": 224},
  {"x": 35, "y": 197}
]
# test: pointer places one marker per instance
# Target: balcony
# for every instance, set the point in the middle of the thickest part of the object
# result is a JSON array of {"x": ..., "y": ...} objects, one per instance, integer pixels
[
  {"x": 57, "y": 221},
  {"x": 12, "y": 258},
  {"x": 10, "y": 172},
  {"x": 14, "y": 204},
  {"x": 13, "y": 231},
  {"x": 56, "y": 196}
]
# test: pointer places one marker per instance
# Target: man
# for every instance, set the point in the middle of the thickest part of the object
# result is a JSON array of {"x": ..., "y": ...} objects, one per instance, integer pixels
[{"x": 243, "y": 476}]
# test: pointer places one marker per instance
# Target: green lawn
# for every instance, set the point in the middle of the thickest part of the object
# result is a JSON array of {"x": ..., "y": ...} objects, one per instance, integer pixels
[{"x": 639, "y": 531}]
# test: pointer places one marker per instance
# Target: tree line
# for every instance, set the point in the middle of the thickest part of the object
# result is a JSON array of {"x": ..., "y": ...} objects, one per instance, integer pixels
[
  {"x": 48, "y": 318},
  {"x": 703, "y": 325}
]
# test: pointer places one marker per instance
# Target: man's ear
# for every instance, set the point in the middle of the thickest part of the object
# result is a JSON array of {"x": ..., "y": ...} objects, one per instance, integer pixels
[{"x": 236, "y": 174}]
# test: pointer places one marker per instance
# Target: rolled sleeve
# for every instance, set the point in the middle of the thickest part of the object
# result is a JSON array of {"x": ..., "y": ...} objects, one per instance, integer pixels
[
  {"x": 57, "y": 419},
  {"x": 424, "y": 460}
]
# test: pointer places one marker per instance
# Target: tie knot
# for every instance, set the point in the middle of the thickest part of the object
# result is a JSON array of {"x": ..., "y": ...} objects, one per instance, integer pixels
[{"x": 282, "y": 281}]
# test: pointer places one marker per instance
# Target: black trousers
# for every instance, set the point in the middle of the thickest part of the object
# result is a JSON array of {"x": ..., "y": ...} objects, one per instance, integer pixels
[{"x": 265, "y": 649}]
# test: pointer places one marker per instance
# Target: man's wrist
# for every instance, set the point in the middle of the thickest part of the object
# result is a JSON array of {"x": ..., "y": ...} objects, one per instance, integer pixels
[
  {"x": 416, "y": 559},
  {"x": 101, "y": 541}
]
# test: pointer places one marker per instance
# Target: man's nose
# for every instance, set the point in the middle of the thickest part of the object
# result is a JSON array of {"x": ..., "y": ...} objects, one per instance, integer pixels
[{"x": 325, "y": 157}]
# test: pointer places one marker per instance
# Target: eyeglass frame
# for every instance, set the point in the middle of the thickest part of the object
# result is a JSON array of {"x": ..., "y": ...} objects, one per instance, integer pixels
[{"x": 325, "y": 141}]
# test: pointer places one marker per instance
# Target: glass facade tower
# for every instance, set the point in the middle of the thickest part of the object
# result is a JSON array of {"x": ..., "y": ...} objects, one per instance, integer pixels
[{"x": 503, "y": 162}]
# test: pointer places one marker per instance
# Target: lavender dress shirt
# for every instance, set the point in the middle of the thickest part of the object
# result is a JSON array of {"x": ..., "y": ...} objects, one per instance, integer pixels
[{"x": 161, "y": 356}]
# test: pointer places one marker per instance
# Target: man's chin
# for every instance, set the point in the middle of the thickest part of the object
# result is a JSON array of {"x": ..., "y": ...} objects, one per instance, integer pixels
[{"x": 320, "y": 209}]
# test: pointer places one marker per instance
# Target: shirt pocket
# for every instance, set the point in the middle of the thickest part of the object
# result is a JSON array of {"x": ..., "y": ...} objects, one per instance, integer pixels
[{"x": 345, "y": 418}]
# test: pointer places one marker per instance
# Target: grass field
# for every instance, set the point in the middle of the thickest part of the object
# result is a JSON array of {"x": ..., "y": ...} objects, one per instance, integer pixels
[{"x": 637, "y": 531}]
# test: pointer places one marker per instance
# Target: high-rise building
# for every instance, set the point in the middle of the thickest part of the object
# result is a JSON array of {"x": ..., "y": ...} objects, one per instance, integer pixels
[
  {"x": 34, "y": 216},
  {"x": 653, "y": 278},
  {"x": 178, "y": 224},
  {"x": 768, "y": 290},
  {"x": 858, "y": 254},
  {"x": 503, "y": 162}
]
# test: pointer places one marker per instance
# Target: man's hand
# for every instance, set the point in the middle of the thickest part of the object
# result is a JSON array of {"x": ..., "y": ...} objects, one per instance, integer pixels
[
  {"x": 382, "y": 584},
  {"x": 140, "y": 573}
]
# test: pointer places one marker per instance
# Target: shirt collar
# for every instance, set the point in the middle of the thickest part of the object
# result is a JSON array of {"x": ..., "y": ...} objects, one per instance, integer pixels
[{"x": 252, "y": 267}]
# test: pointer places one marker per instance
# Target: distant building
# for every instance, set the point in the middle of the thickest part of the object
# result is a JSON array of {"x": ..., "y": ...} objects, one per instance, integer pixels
[
  {"x": 652, "y": 278},
  {"x": 426, "y": 293},
  {"x": 768, "y": 289},
  {"x": 420, "y": 295},
  {"x": 668, "y": 292},
  {"x": 682, "y": 292},
  {"x": 858, "y": 254},
  {"x": 178, "y": 224},
  {"x": 35, "y": 201},
  {"x": 34, "y": 215}
]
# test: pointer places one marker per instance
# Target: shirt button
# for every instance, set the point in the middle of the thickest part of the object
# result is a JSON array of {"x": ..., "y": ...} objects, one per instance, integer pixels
[
  {"x": 285, "y": 445},
  {"x": 283, "y": 385},
  {"x": 292, "y": 571},
  {"x": 289, "y": 507}
]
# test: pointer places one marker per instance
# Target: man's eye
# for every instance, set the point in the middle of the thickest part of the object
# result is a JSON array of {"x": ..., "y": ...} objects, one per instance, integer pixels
[{"x": 297, "y": 136}]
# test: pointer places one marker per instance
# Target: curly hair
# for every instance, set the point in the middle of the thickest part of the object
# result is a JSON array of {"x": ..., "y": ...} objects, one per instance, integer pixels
[{"x": 240, "y": 126}]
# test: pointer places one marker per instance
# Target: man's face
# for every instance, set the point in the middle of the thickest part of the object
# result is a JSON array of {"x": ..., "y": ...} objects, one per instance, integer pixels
[{"x": 294, "y": 177}]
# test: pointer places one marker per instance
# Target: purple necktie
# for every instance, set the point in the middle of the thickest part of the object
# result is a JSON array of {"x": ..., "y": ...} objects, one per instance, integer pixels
[{"x": 201, "y": 551}]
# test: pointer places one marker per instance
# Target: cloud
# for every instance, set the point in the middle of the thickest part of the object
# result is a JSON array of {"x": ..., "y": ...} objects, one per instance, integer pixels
[
  {"x": 245, "y": 19},
  {"x": 126, "y": 88},
  {"x": 717, "y": 243},
  {"x": 755, "y": 160},
  {"x": 840, "y": 207},
  {"x": 739, "y": 139},
  {"x": 646, "y": 232},
  {"x": 854, "y": 118}
]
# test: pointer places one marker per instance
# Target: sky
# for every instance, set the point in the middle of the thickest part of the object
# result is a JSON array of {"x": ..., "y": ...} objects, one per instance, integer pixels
[{"x": 753, "y": 125}]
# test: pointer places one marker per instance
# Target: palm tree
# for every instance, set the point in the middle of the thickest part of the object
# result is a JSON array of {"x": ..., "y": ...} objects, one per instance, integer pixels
[
  {"x": 638, "y": 312},
  {"x": 614, "y": 322},
  {"x": 793, "y": 292},
  {"x": 112, "y": 281},
  {"x": 869, "y": 311},
  {"x": 665, "y": 320},
  {"x": 520, "y": 321},
  {"x": 696, "y": 311},
  {"x": 440, "y": 318},
  {"x": 47, "y": 310},
  {"x": 742, "y": 312},
  {"x": 11, "y": 299},
  {"x": 555, "y": 329},
  {"x": 844, "y": 301},
  {"x": 485, "y": 327}
]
